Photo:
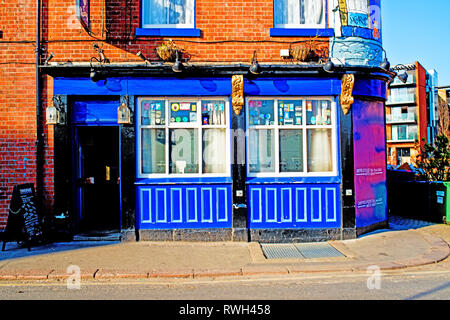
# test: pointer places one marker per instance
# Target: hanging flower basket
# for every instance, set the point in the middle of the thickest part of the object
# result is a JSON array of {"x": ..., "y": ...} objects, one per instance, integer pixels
[
  {"x": 302, "y": 53},
  {"x": 167, "y": 51}
]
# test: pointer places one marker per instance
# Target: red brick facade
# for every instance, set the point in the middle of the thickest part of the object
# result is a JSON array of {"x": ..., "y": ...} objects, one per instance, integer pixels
[{"x": 231, "y": 30}]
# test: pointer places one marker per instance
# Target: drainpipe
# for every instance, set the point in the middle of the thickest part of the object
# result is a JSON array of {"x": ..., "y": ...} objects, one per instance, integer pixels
[{"x": 39, "y": 124}]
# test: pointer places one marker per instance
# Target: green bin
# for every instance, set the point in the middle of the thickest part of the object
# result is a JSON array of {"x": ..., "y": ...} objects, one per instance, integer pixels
[{"x": 447, "y": 203}]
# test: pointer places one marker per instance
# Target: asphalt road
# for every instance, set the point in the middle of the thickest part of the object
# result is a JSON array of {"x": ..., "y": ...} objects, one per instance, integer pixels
[{"x": 406, "y": 285}]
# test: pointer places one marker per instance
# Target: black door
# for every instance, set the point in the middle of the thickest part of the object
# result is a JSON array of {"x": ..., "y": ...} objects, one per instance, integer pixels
[{"x": 98, "y": 198}]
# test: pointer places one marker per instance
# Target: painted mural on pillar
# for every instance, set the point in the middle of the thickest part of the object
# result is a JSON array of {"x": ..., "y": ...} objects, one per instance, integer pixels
[
  {"x": 370, "y": 163},
  {"x": 360, "y": 18}
]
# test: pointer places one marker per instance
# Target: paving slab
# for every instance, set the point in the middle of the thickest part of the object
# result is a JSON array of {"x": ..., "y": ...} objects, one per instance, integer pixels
[{"x": 391, "y": 250}]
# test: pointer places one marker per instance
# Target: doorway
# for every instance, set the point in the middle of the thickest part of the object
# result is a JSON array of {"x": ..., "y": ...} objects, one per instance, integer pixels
[{"x": 98, "y": 179}]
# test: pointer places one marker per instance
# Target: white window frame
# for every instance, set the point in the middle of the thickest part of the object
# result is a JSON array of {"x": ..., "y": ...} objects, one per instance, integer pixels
[
  {"x": 277, "y": 127},
  {"x": 305, "y": 26},
  {"x": 174, "y": 26},
  {"x": 189, "y": 125}
]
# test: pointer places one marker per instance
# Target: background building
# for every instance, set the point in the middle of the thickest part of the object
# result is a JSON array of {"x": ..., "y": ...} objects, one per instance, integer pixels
[
  {"x": 411, "y": 112},
  {"x": 252, "y": 123}
]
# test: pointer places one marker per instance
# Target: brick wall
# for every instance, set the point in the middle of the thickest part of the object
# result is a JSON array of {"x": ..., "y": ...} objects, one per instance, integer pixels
[{"x": 231, "y": 31}]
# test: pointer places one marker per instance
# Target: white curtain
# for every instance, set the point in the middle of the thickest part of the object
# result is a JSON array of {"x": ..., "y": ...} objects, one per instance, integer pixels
[
  {"x": 360, "y": 6},
  {"x": 320, "y": 157},
  {"x": 214, "y": 151},
  {"x": 161, "y": 12},
  {"x": 298, "y": 12}
]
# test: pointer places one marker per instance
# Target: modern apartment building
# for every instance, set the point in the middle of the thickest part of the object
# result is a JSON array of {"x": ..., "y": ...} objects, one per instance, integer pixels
[{"x": 411, "y": 111}]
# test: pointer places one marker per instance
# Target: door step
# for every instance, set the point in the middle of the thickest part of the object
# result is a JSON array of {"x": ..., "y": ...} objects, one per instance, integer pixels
[{"x": 98, "y": 236}]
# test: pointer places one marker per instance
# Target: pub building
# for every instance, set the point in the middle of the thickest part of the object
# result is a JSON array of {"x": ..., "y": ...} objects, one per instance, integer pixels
[{"x": 245, "y": 151}]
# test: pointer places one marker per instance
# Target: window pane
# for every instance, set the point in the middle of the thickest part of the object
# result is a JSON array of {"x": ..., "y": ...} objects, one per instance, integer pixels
[
  {"x": 214, "y": 151},
  {"x": 261, "y": 151},
  {"x": 152, "y": 112},
  {"x": 183, "y": 152},
  {"x": 153, "y": 151},
  {"x": 168, "y": 12},
  {"x": 319, "y": 150},
  {"x": 291, "y": 151},
  {"x": 290, "y": 112},
  {"x": 297, "y": 12},
  {"x": 261, "y": 112},
  {"x": 213, "y": 112},
  {"x": 183, "y": 112},
  {"x": 318, "y": 112}
]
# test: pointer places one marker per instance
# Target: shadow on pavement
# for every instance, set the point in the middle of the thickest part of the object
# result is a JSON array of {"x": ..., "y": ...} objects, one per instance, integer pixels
[
  {"x": 397, "y": 223},
  {"x": 15, "y": 251}
]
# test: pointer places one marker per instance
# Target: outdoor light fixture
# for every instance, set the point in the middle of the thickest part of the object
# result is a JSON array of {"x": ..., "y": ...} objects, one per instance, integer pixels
[
  {"x": 55, "y": 113},
  {"x": 329, "y": 66},
  {"x": 95, "y": 75},
  {"x": 50, "y": 57},
  {"x": 403, "y": 77},
  {"x": 385, "y": 65},
  {"x": 123, "y": 113},
  {"x": 52, "y": 115},
  {"x": 255, "y": 67},
  {"x": 101, "y": 54},
  {"x": 140, "y": 55},
  {"x": 178, "y": 65}
]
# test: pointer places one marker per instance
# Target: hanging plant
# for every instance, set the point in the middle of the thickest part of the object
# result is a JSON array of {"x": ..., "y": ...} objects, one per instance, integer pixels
[
  {"x": 167, "y": 51},
  {"x": 308, "y": 52}
]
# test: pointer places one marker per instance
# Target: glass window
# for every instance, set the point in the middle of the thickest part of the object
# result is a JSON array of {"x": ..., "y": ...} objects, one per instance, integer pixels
[
  {"x": 153, "y": 151},
  {"x": 299, "y": 13},
  {"x": 183, "y": 153},
  {"x": 168, "y": 13},
  {"x": 261, "y": 151},
  {"x": 299, "y": 140},
  {"x": 183, "y": 137},
  {"x": 291, "y": 151}
]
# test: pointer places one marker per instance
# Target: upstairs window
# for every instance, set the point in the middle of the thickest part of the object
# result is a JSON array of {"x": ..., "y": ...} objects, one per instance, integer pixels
[
  {"x": 299, "y": 13},
  {"x": 168, "y": 14}
]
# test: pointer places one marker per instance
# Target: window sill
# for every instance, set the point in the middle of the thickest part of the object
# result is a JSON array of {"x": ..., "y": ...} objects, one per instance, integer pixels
[
  {"x": 293, "y": 180},
  {"x": 286, "y": 32},
  {"x": 168, "y": 32},
  {"x": 182, "y": 180}
]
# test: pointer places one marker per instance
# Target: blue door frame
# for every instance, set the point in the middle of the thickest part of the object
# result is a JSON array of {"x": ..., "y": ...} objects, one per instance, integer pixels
[{"x": 89, "y": 112}]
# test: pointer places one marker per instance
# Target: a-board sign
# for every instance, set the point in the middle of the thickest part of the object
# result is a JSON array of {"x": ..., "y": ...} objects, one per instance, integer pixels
[{"x": 23, "y": 220}]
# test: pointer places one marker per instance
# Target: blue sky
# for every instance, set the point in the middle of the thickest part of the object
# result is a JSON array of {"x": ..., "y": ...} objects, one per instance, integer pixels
[{"x": 416, "y": 30}]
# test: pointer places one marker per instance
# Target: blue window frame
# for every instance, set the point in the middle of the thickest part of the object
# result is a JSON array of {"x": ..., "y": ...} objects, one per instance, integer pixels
[
  {"x": 300, "y": 18},
  {"x": 168, "y": 18}
]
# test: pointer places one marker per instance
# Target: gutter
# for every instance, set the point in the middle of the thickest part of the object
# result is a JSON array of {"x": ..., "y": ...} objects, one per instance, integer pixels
[{"x": 39, "y": 124}]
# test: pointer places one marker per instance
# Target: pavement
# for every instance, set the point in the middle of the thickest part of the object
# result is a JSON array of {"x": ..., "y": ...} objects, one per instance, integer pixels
[{"x": 407, "y": 243}]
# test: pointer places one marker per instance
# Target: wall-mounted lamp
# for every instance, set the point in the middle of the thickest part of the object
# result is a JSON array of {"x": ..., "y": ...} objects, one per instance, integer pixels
[
  {"x": 329, "y": 66},
  {"x": 385, "y": 65},
  {"x": 140, "y": 55},
  {"x": 178, "y": 65},
  {"x": 403, "y": 77},
  {"x": 55, "y": 113},
  {"x": 95, "y": 74},
  {"x": 255, "y": 68},
  {"x": 52, "y": 115},
  {"x": 50, "y": 57},
  {"x": 101, "y": 54},
  {"x": 123, "y": 113}
]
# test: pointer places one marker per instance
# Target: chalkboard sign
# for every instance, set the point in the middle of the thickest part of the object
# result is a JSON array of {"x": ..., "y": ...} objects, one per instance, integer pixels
[{"x": 23, "y": 220}]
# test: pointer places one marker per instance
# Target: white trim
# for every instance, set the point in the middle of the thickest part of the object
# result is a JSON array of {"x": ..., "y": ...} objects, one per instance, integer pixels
[
  {"x": 170, "y": 26},
  {"x": 189, "y": 126},
  {"x": 304, "y": 127},
  {"x": 305, "y": 26}
]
